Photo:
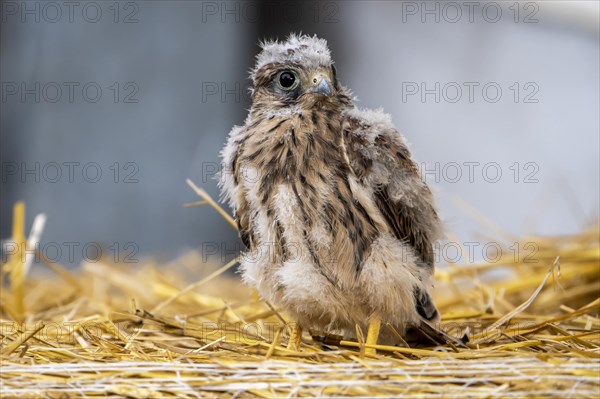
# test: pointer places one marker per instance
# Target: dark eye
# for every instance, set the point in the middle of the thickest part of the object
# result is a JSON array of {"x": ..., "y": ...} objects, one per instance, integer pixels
[{"x": 287, "y": 80}]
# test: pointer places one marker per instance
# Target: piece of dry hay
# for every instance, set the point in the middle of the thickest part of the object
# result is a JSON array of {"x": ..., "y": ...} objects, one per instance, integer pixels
[{"x": 113, "y": 330}]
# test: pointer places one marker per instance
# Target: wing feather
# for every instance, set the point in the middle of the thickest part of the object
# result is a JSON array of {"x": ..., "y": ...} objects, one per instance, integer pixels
[
  {"x": 229, "y": 180},
  {"x": 381, "y": 160}
]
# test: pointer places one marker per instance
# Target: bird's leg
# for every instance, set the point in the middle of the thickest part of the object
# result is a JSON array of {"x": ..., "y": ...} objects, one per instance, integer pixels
[
  {"x": 295, "y": 337},
  {"x": 372, "y": 335}
]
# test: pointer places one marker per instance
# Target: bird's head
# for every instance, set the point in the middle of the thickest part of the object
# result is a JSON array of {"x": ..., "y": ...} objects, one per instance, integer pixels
[{"x": 297, "y": 72}]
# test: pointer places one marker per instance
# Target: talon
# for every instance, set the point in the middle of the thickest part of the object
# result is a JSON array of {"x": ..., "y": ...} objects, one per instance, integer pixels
[
  {"x": 295, "y": 338},
  {"x": 372, "y": 335}
]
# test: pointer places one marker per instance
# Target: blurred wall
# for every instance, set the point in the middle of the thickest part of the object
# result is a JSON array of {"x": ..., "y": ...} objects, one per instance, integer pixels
[{"x": 108, "y": 107}]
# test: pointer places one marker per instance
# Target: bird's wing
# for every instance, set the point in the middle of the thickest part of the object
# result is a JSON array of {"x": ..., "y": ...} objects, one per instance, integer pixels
[
  {"x": 229, "y": 180},
  {"x": 381, "y": 161},
  {"x": 379, "y": 157}
]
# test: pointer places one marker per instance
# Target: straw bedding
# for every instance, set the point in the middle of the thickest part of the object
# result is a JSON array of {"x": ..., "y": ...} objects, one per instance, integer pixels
[{"x": 138, "y": 331}]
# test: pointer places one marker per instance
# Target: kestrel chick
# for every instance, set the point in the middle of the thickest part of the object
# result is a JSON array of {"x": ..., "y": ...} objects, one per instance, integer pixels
[{"x": 338, "y": 223}]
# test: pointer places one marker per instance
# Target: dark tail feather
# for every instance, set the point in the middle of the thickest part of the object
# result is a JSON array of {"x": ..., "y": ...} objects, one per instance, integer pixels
[
  {"x": 437, "y": 336},
  {"x": 426, "y": 331},
  {"x": 425, "y": 306}
]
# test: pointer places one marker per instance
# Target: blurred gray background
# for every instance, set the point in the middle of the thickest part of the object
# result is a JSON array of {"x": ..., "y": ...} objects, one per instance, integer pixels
[{"x": 107, "y": 107}]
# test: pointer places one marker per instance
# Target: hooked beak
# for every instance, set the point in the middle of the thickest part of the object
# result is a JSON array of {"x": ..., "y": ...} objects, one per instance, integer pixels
[{"x": 321, "y": 84}]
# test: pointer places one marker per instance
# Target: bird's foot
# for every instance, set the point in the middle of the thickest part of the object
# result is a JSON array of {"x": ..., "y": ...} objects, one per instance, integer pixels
[
  {"x": 295, "y": 337},
  {"x": 372, "y": 335}
]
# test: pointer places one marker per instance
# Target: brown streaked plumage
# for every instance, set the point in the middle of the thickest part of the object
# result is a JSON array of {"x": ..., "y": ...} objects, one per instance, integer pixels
[{"x": 338, "y": 223}]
